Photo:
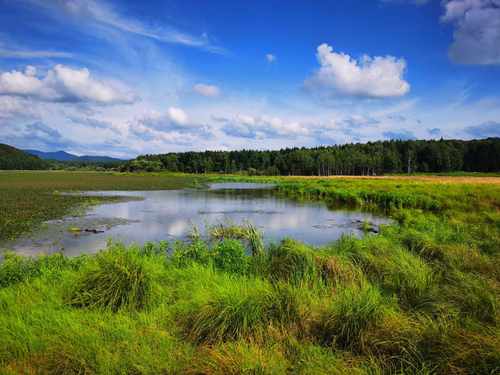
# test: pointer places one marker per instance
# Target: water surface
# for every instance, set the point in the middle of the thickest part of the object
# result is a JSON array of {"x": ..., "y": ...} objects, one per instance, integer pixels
[{"x": 170, "y": 215}]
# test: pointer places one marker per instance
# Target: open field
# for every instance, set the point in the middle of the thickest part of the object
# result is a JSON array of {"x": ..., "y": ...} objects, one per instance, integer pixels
[
  {"x": 421, "y": 297},
  {"x": 436, "y": 179}
]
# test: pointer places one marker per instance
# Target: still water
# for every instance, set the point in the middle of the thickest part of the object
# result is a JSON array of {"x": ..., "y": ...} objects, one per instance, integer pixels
[{"x": 170, "y": 214}]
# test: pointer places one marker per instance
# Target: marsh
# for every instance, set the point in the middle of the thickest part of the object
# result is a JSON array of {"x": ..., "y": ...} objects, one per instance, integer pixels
[{"x": 171, "y": 214}]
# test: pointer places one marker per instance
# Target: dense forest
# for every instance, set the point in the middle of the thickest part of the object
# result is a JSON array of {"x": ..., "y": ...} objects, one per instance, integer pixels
[
  {"x": 13, "y": 158},
  {"x": 371, "y": 158}
]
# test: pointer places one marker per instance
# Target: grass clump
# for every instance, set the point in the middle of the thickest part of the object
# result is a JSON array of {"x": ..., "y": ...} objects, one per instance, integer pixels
[
  {"x": 394, "y": 343},
  {"x": 247, "y": 232},
  {"x": 394, "y": 268},
  {"x": 352, "y": 311},
  {"x": 338, "y": 270},
  {"x": 15, "y": 269},
  {"x": 451, "y": 348},
  {"x": 117, "y": 278},
  {"x": 472, "y": 295},
  {"x": 229, "y": 256},
  {"x": 240, "y": 357},
  {"x": 291, "y": 261},
  {"x": 186, "y": 253},
  {"x": 242, "y": 310}
]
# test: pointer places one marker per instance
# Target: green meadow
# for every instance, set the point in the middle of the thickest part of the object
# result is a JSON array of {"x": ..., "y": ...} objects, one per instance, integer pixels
[{"x": 420, "y": 297}]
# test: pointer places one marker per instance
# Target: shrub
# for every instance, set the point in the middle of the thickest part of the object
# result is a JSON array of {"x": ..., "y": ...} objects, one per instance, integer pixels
[
  {"x": 291, "y": 261},
  {"x": 119, "y": 277},
  {"x": 351, "y": 312},
  {"x": 229, "y": 256}
]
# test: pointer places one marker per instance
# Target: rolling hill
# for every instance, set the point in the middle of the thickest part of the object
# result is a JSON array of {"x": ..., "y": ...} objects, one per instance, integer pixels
[{"x": 13, "y": 158}]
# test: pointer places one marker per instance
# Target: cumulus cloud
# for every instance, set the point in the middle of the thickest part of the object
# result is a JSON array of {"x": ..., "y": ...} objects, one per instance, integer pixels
[
  {"x": 476, "y": 37},
  {"x": 260, "y": 127},
  {"x": 63, "y": 84},
  {"x": 206, "y": 90},
  {"x": 173, "y": 124},
  {"x": 375, "y": 77},
  {"x": 484, "y": 130},
  {"x": 270, "y": 58}
]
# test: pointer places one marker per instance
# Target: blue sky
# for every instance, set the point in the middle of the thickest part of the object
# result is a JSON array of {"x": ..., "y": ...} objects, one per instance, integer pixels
[{"x": 125, "y": 77}]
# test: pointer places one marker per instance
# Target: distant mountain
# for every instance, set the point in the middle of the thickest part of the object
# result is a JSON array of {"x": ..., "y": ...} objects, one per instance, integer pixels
[
  {"x": 66, "y": 156},
  {"x": 13, "y": 158},
  {"x": 57, "y": 155}
]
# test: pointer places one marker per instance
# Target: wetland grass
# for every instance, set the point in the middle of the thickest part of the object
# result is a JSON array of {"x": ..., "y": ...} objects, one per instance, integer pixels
[{"x": 420, "y": 297}]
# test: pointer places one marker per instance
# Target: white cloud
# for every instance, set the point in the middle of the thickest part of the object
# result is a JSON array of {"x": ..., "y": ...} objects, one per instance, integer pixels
[
  {"x": 376, "y": 77},
  {"x": 261, "y": 127},
  {"x": 177, "y": 115},
  {"x": 63, "y": 84},
  {"x": 14, "y": 107},
  {"x": 270, "y": 58},
  {"x": 206, "y": 90},
  {"x": 476, "y": 38}
]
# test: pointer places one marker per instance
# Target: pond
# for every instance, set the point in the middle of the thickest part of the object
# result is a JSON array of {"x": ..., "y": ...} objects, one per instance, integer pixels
[{"x": 171, "y": 214}]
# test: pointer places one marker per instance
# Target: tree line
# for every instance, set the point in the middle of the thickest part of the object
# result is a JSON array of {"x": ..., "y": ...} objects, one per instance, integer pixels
[{"x": 372, "y": 158}]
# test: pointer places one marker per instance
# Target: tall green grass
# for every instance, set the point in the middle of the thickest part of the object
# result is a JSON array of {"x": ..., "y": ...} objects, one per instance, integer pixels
[
  {"x": 243, "y": 309},
  {"x": 350, "y": 313},
  {"x": 420, "y": 297},
  {"x": 114, "y": 279}
]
